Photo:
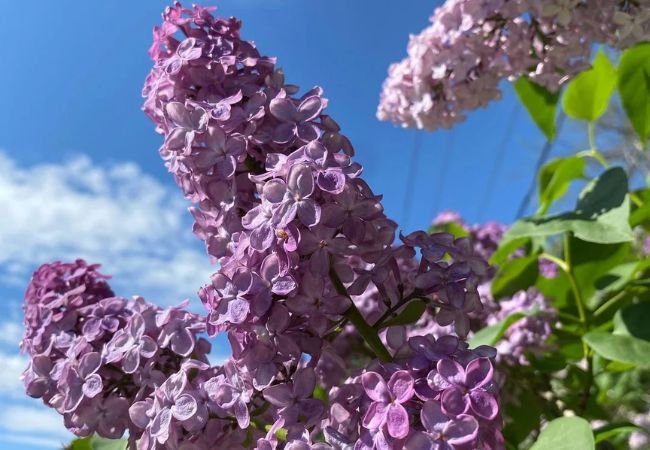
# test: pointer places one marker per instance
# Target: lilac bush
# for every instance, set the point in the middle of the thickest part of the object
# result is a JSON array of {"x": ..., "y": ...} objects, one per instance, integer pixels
[{"x": 456, "y": 64}]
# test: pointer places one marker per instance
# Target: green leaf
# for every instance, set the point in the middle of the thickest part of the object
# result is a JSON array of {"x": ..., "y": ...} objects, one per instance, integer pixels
[
  {"x": 80, "y": 444},
  {"x": 593, "y": 264},
  {"x": 601, "y": 214},
  {"x": 515, "y": 275},
  {"x": 97, "y": 443},
  {"x": 566, "y": 433},
  {"x": 555, "y": 177},
  {"x": 634, "y": 88},
  {"x": 449, "y": 227},
  {"x": 492, "y": 334},
  {"x": 633, "y": 320},
  {"x": 587, "y": 95},
  {"x": 616, "y": 278},
  {"x": 616, "y": 429},
  {"x": 625, "y": 349},
  {"x": 506, "y": 248},
  {"x": 410, "y": 314},
  {"x": 522, "y": 414},
  {"x": 540, "y": 103}
]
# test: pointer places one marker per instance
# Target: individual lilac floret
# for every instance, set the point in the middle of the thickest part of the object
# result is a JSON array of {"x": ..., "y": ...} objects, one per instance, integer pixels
[
  {"x": 463, "y": 388},
  {"x": 294, "y": 399},
  {"x": 130, "y": 343},
  {"x": 388, "y": 398},
  {"x": 443, "y": 432}
]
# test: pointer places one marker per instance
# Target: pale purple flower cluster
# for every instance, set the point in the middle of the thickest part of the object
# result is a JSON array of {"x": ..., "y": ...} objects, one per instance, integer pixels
[
  {"x": 456, "y": 64},
  {"x": 529, "y": 334},
  {"x": 435, "y": 394},
  {"x": 298, "y": 235},
  {"x": 304, "y": 251},
  {"x": 93, "y": 355}
]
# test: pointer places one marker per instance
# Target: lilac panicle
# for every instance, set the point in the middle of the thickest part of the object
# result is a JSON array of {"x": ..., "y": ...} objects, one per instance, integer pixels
[
  {"x": 456, "y": 64},
  {"x": 93, "y": 355},
  {"x": 303, "y": 247},
  {"x": 280, "y": 204}
]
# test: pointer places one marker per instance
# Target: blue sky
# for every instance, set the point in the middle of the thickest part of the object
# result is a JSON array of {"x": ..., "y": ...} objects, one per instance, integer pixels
[{"x": 80, "y": 174}]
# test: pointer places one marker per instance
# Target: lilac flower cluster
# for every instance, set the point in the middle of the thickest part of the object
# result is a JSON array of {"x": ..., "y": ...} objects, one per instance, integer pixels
[
  {"x": 435, "y": 394},
  {"x": 529, "y": 334},
  {"x": 94, "y": 355},
  {"x": 298, "y": 235},
  {"x": 456, "y": 64},
  {"x": 304, "y": 251}
]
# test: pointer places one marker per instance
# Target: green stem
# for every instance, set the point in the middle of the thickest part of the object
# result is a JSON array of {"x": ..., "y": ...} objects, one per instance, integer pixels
[
  {"x": 392, "y": 310},
  {"x": 353, "y": 315},
  {"x": 636, "y": 199},
  {"x": 593, "y": 149},
  {"x": 609, "y": 304},
  {"x": 554, "y": 259},
  {"x": 584, "y": 318},
  {"x": 580, "y": 304}
]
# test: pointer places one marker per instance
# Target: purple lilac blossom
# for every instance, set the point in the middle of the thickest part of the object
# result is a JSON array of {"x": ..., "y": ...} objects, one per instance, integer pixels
[
  {"x": 93, "y": 355},
  {"x": 528, "y": 335},
  {"x": 300, "y": 240},
  {"x": 293, "y": 214},
  {"x": 456, "y": 64}
]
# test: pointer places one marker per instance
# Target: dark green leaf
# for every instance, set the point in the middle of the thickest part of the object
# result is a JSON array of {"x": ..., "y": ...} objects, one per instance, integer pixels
[
  {"x": 634, "y": 88},
  {"x": 549, "y": 362},
  {"x": 617, "y": 277},
  {"x": 540, "y": 103},
  {"x": 601, "y": 214},
  {"x": 625, "y": 349},
  {"x": 555, "y": 177},
  {"x": 522, "y": 414},
  {"x": 492, "y": 334},
  {"x": 615, "y": 429},
  {"x": 566, "y": 433},
  {"x": 592, "y": 262},
  {"x": 587, "y": 95},
  {"x": 515, "y": 275},
  {"x": 634, "y": 320},
  {"x": 410, "y": 314}
]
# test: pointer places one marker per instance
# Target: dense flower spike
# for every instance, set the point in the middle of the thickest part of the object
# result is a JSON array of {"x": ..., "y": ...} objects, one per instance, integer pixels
[
  {"x": 304, "y": 251},
  {"x": 456, "y": 64},
  {"x": 94, "y": 355},
  {"x": 299, "y": 236}
]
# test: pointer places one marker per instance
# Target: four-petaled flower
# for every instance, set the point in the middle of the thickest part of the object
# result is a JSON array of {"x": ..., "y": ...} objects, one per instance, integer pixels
[
  {"x": 443, "y": 432},
  {"x": 386, "y": 408},
  {"x": 296, "y": 120},
  {"x": 130, "y": 343},
  {"x": 464, "y": 389}
]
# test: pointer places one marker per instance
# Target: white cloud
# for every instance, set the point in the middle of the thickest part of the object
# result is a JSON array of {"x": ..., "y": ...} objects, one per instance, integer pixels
[
  {"x": 35, "y": 426},
  {"x": 10, "y": 333},
  {"x": 12, "y": 365},
  {"x": 29, "y": 418},
  {"x": 134, "y": 225}
]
